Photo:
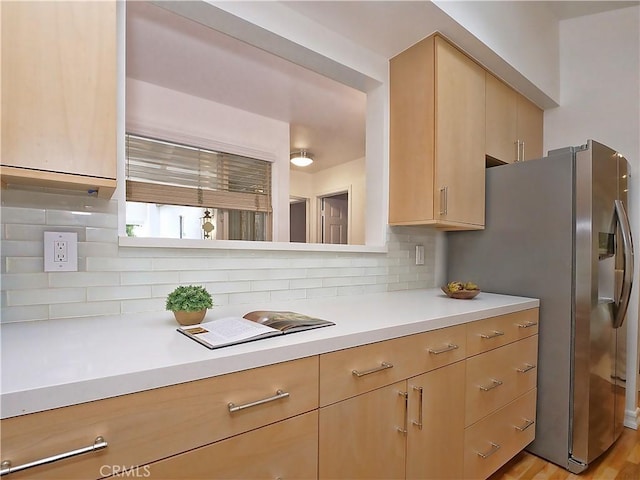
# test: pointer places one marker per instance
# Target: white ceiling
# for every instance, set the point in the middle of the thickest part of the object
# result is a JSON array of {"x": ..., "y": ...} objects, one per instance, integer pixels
[{"x": 325, "y": 117}]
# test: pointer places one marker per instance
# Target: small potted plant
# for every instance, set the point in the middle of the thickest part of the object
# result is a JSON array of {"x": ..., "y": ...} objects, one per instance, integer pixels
[{"x": 189, "y": 304}]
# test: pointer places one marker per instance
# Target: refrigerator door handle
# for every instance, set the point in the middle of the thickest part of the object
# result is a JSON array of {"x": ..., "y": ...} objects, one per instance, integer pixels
[{"x": 620, "y": 308}]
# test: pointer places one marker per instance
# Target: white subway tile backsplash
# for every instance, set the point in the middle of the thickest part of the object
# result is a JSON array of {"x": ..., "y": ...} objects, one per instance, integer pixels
[
  {"x": 203, "y": 276},
  {"x": 252, "y": 297},
  {"x": 24, "y": 313},
  {"x": 29, "y": 216},
  {"x": 114, "y": 279},
  {"x": 268, "y": 285},
  {"x": 97, "y": 264},
  {"x": 82, "y": 279},
  {"x": 85, "y": 219},
  {"x": 96, "y": 234},
  {"x": 306, "y": 283},
  {"x": 280, "y": 295},
  {"x": 150, "y": 278},
  {"x": 23, "y": 264},
  {"x": 21, "y": 281},
  {"x": 118, "y": 293},
  {"x": 97, "y": 249},
  {"x": 22, "y": 248},
  {"x": 45, "y": 296},
  {"x": 228, "y": 287},
  {"x": 143, "y": 305},
  {"x": 322, "y": 292},
  {"x": 89, "y": 309}
]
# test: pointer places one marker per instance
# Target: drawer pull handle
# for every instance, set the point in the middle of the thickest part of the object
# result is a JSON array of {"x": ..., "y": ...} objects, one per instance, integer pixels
[
  {"x": 527, "y": 324},
  {"x": 383, "y": 366},
  {"x": 527, "y": 424},
  {"x": 448, "y": 348},
  {"x": 494, "y": 448},
  {"x": 494, "y": 334},
  {"x": 527, "y": 367},
  {"x": 405, "y": 396},
  {"x": 494, "y": 384},
  {"x": 420, "y": 391},
  {"x": 279, "y": 394},
  {"x": 98, "y": 444}
]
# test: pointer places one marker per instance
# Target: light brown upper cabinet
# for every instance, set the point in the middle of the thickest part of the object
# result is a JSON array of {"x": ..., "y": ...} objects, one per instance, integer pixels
[
  {"x": 437, "y": 137},
  {"x": 514, "y": 124},
  {"x": 59, "y": 95}
]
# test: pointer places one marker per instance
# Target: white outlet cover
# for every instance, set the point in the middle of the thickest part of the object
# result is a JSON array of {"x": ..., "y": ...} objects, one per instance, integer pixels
[{"x": 71, "y": 264}]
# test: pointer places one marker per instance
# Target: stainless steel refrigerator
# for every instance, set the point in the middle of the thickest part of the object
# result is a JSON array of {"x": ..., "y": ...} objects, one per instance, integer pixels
[{"x": 556, "y": 229}]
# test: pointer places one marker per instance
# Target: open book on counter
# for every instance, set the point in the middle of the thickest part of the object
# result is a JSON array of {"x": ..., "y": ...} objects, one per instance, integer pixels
[{"x": 253, "y": 326}]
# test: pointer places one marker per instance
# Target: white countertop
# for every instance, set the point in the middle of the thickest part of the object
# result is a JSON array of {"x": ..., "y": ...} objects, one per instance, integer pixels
[{"x": 50, "y": 364}]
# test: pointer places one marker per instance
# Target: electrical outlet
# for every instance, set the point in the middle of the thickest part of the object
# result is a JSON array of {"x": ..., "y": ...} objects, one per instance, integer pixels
[{"x": 60, "y": 252}]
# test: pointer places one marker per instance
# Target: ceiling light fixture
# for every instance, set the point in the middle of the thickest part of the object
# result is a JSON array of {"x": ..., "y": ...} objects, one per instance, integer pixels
[{"x": 301, "y": 158}]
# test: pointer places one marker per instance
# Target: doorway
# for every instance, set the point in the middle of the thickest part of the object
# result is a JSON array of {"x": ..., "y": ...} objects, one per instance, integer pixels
[
  {"x": 334, "y": 218},
  {"x": 298, "y": 224}
]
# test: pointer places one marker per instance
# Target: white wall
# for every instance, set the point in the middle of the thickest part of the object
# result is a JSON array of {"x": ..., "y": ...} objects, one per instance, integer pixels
[
  {"x": 600, "y": 100},
  {"x": 167, "y": 114},
  {"x": 524, "y": 34}
]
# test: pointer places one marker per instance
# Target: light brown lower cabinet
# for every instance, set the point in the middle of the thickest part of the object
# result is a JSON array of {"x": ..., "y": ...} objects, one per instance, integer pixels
[
  {"x": 456, "y": 402},
  {"x": 287, "y": 449},
  {"x": 410, "y": 429}
]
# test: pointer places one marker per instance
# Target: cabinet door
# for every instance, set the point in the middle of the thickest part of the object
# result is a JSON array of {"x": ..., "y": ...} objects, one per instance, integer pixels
[
  {"x": 501, "y": 118},
  {"x": 530, "y": 128},
  {"x": 287, "y": 449},
  {"x": 59, "y": 87},
  {"x": 364, "y": 437},
  {"x": 435, "y": 445},
  {"x": 460, "y": 138}
]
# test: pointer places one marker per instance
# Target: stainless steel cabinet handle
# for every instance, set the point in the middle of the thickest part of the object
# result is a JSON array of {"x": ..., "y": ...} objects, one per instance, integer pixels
[
  {"x": 438, "y": 351},
  {"x": 403, "y": 429},
  {"x": 527, "y": 324},
  {"x": 527, "y": 424},
  {"x": 517, "y": 144},
  {"x": 279, "y": 394},
  {"x": 98, "y": 444},
  {"x": 627, "y": 281},
  {"x": 444, "y": 194},
  {"x": 522, "y": 157},
  {"x": 383, "y": 366},
  {"x": 420, "y": 391},
  {"x": 494, "y": 448},
  {"x": 494, "y": 384},
  {"x": 494, "y": 334},
  {"x": 527, "y": 367}
]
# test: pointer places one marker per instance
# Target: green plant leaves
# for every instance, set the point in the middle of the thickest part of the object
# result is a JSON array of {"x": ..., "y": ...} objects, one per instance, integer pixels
[{"x": 190, "y": 298}]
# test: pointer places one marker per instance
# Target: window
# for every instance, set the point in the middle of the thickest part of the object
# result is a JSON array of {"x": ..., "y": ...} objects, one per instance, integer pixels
[{"x": 182, "y": 191}]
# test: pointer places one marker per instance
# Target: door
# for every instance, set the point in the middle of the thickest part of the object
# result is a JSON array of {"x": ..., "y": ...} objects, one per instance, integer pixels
[
  {"x": 364, "y": 436},
  {"x": 298, "y": 220},
  {"x": 435, "y": 440},
  {"x": 335, "y": 219}
]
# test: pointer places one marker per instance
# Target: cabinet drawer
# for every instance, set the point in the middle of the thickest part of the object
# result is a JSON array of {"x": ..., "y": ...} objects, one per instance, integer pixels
[
  {"x": 493, "y": 332},
  {"x": 150, "y": 425},
  {"x": 357, "y": 370},
  {"x": 286, "y": 449},
  {"x": 490, "y": 443},
  {"x": 497, "y": 377}
]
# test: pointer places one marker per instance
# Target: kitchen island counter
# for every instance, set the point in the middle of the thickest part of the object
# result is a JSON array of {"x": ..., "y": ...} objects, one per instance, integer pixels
[{"x": 55, "y": 363}]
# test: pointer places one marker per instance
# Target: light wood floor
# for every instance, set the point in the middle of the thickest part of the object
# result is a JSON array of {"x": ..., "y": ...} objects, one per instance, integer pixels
[{"x": 620, "y": 462}]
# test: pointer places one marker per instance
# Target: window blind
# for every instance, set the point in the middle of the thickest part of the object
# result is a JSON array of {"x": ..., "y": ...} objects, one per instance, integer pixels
[{"x": 163, "y": 172}]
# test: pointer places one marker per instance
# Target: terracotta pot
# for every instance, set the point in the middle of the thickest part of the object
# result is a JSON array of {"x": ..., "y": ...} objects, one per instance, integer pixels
[{"x": 189, "y": 318}]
